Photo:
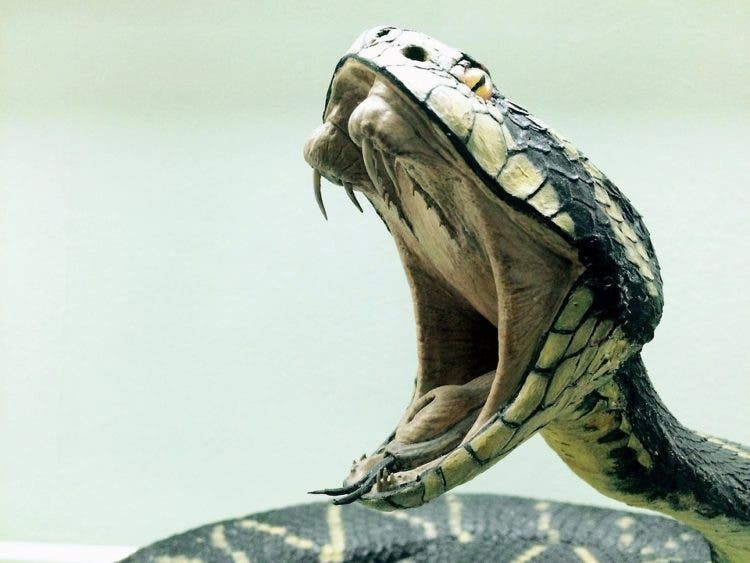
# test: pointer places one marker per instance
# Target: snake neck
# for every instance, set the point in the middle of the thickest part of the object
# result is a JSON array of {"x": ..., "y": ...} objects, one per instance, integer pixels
[{"x": 625, "y": 443}]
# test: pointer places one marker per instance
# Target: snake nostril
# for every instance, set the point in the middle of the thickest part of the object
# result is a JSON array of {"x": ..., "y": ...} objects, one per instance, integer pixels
[{"x": 415, "y": 53}]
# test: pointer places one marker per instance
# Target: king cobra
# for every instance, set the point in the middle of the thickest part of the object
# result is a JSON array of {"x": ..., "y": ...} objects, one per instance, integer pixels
[{"x": 535, "y": 286}]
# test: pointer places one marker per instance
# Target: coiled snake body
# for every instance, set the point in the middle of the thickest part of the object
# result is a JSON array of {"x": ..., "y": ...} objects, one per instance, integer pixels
[{"x": 535, "y": 285}]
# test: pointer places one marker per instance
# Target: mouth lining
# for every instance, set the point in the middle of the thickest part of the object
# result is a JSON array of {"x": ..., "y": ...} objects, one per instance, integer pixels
[{"x": 447, "y": 402}]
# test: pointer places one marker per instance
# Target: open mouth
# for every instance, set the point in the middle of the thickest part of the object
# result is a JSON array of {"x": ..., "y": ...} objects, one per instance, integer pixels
[{"x": 486, "y": 280}]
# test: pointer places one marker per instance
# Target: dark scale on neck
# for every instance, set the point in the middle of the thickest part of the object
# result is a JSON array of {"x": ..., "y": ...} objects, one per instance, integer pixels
[
  {"x": 623, "y": 441},
  {"x": 685, "y": 463}
]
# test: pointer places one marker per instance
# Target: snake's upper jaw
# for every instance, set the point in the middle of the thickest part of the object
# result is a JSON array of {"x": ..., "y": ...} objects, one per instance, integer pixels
[
  {"x": 332, "y": 155},
  {"x": 330, "y": 150}
]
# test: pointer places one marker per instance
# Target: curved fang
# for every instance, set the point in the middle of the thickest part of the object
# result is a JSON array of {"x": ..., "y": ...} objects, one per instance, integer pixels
[
  {"x": 352, "y": 197},
  {"x": 356, "y": 490},
  {"x": 318, "y": 194},
  {"x": 341, "y": 490},
  {"x": 359, "y": 493}
]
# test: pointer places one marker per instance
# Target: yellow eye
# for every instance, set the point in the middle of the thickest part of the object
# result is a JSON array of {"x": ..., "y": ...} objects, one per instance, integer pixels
[{"x": 479, "y": 82}]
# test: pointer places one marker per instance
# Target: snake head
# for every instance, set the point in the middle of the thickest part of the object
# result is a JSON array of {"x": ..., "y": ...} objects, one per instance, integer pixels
[{"x": 532, "y": 276}]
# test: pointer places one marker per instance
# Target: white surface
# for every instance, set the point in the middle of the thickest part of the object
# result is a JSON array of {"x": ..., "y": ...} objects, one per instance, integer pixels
[
  {"x": 28, "y": 552},
  {"x": 182, "y": 337}
]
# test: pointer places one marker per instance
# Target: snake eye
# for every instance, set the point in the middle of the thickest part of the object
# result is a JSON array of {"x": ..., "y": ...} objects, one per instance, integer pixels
[{"x": 479, "y": 82}]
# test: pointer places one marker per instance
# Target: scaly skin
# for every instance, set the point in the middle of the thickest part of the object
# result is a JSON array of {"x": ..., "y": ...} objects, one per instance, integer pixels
[{"x": 453, "y": 529}]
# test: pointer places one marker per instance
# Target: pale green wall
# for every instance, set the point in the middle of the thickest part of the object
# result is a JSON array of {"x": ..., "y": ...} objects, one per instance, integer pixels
[{"x": 182, "y": 338}]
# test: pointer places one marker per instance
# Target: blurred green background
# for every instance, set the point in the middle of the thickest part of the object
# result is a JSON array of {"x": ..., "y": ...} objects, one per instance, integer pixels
[{"x": 184, "y": 339}]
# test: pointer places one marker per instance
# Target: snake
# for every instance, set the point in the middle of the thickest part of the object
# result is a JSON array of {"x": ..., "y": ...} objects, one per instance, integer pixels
[{"x": 535, "y": 286}]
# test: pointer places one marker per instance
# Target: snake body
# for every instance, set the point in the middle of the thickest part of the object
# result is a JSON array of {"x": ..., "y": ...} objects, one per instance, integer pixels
[
  {"x": 535, "y": 286},
  {"x": 452, "y": 529}
]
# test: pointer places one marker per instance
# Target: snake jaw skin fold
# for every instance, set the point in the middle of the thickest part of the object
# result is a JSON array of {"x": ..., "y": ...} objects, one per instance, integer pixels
[{"x": 535, "y": 286}]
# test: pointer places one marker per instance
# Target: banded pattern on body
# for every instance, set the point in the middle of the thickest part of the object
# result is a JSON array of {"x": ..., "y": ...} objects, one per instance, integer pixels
[{"x": 455, "y": 529}]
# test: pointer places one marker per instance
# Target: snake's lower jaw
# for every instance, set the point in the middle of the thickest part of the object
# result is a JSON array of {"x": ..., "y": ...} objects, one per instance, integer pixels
[{"x": 432, "y": 444}]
